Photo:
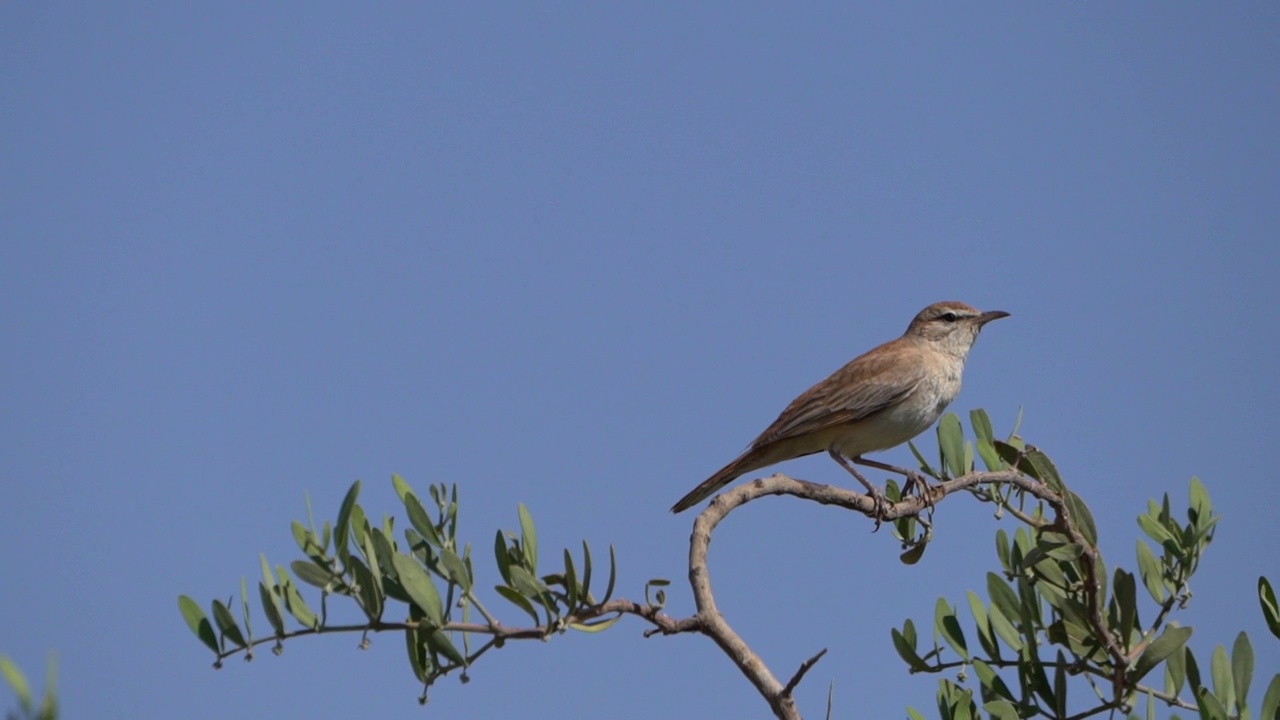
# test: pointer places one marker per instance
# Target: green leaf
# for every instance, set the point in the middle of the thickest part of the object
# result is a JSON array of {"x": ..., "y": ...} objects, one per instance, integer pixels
[
  {"x": 518, "y": 600},
  {"x": 586, "y": 573},
  {"x": 244, "y": 608},
  {"x": 1271, "y": 700},
  {"x": 1003, "y": 597},
  {"x": 359, "y": 526},
  {"x": 596, "y": 625},
  {"x": 1012, "y": 456},
  {"x": 310, "y": 574},
  {"x": 992, "y": 685},
  {"x": 924, "y": 464},
  {"x": 1220, "y": 671},
  {"x": 1242, "y": 667},
  {"x": 227, "y": 624},
  {"x": 402, "y": 488},
  {"x": 1002, "y": 549},
  {"x": 342, "y": 525},
  {"x": 1005, "y": 629},
  {"x": 951, "y": 444},
  {"x": 1211, "y": 706},
  {"x": 439, "y": 642},
  {"x": 294, "y": 603},
  {"x": 1175, "y": 667},
  {"x": 907, "y": 651},
  {"x": 369, "y": 589},
  {"x": 1060, "y": 685},
  {"x": 528, "y": 539},
  {"x": 986, "y": 637},
  {"x": 1152, "y": 573},
  {"x": 981, "y": 425},
  {"x": 1270, "y": 609},
  {"x": 1002, "y": 710},
  {"x": 455, "y": 570},
  {"x": 504, "y": 560},
  {"x": 417, "y": 654},
  {"x": 527, "y": 585},
  {"x": 949, "y": 627},
  {"x": 913, "y": 554},
  {"x": 1082, "y": 517},
  {"x": 570, "y": 582},
  {"x": 271, "y": 607},
  {"x": 1156, "y": 531},
  {"x": 1126, "y": 599},
  {"x": 420, "y": 521},
  {"x": 1200, "y": 510},
  {"x": 1193, "y": 671},
  {"x": 13, "y": 674},
  {"x": 417, "y": 583},
  {"x": 1045, "y": 470},
  {"x": 613, "y": 567},
  {"x": 1169, "y": 642}
]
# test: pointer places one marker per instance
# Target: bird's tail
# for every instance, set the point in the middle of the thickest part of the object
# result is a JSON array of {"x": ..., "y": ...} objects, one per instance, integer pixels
[{"x": 744, "y": 463}]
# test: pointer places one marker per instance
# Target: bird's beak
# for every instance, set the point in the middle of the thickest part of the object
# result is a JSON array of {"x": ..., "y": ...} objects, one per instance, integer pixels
[{"x": 990, "y": 315}]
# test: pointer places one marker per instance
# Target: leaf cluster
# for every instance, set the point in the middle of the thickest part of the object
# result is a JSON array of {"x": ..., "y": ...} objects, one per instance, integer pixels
[
  {"x": 427, "y": 573},
  {"x": 1053, "y": 619}
]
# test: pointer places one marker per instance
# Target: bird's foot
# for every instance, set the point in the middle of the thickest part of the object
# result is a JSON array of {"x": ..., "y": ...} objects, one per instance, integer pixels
[
  {"x": 879, "y": 505},
  {"x": 918, "y": 485}
]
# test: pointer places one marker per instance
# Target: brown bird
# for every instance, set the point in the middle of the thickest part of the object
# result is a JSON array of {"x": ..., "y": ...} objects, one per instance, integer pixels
[{"x": 879, "y": 400}]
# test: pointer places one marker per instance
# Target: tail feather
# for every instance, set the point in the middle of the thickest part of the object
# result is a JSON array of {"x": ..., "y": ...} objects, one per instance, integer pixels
[{"x": 744, "y": 463}]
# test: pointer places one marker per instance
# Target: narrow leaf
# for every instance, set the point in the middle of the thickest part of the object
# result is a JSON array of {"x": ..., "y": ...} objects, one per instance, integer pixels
[
  {"x": 924, "y": 464},
  {"x": 613, "y": 567},
  {"x": 1082, "y": 517},
  {"x": 18, "y": 681},
  {"x": 528, "y": 539},
  {"x": 440, "y": 643},
  {"x": 271, "y": 607},
  {"x": 198, "y": 622},
  {"x": 1242, "y": 667},
  {"x": 503, "y": 559},
  {"x": 294, "y": 603},
  {"x": 417, "y": 583},
  {"x": 1270, "y": 609},
  {"x": 951, "y": 444},
  {"x": 455, "y": 570},
  {"x": 308, "y": 573},
  {"x": 341, "y": 526},
  {"x": 227, "y": 624},
  {"x": 907, "y": 652},
  {"x": 518, "y": 600},
  {"x": 1169, "y": 642},
  {"x": 1271, "y": 700},
  {"x": 949, "y": 627},
  {"x": 402, "y": 488},
  {"x": 1152, "y": 573}
]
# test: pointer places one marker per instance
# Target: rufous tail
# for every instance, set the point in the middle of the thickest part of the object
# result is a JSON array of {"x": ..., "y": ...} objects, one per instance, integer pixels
[{"x": 727, "y": 474}]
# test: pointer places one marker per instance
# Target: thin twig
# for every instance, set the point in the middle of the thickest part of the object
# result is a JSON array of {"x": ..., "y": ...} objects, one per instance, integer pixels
[{"x": 804, "y": 668}]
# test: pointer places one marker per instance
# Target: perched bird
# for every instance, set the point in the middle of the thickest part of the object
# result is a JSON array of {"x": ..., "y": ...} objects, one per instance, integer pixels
[{"x": 879, "y": 400}]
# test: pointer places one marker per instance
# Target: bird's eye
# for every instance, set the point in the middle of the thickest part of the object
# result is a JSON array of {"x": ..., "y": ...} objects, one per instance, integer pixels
[{"x": 949, "y": 317}]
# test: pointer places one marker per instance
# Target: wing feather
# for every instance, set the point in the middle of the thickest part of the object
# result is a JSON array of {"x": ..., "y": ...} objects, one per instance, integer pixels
[{"x": 866, "y": 385}]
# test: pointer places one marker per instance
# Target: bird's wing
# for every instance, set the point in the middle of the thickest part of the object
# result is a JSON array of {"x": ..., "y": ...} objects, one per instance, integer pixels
[{"x": 865, "y": 386}]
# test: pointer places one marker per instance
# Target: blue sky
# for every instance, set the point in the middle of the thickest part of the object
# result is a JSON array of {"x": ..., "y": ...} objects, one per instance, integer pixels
[{"x": 577, "y": 255}]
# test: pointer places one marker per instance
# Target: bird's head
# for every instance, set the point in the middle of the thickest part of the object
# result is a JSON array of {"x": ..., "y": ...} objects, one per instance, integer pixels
[{"x": 952, "y": 325}]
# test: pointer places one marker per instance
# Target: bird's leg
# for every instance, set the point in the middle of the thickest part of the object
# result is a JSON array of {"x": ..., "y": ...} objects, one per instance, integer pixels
[
  {"x": 915, "y": 481},
  {"x": 880, "y": 502}
]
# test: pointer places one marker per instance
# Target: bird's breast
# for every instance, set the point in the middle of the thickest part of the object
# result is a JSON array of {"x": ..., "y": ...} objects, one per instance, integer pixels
[{"x": 899, "y": 423}]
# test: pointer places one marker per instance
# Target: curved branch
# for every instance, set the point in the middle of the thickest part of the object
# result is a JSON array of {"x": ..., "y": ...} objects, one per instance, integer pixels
[{"x": 709, "y": 621}]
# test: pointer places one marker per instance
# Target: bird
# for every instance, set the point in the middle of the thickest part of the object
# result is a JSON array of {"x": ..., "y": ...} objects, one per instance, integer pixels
[{"x": 877, "y": 401}]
